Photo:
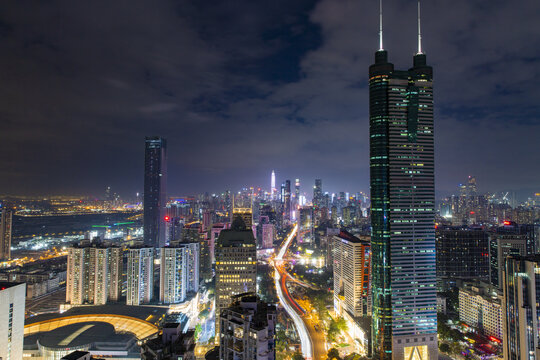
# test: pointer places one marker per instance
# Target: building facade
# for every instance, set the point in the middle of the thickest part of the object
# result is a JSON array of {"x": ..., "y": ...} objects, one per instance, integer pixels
[
  {"x": 480, "y": 306},
  {"x": 5, "y": 233},
  {"x": 352, "y": 262},
  {"x": 521, "y": 296},
  {"x": 155, "y": 191},
  {"x": 462, "y": 253},
  {"x": 140, "y": 276},
  {"x": 94, "y": 275},
  {"x": 248, "y": 329},
  {"x": 12, "y": 301},
  {"x": 236, "y": 265},
  {"x": 173, "y": 275},
  {"x": 402, "y": 210}
]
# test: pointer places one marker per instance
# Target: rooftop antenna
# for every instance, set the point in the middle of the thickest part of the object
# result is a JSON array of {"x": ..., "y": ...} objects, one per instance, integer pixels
[
  {"x": 380, "y": 26},
  {"x": 419, "y": 31}
]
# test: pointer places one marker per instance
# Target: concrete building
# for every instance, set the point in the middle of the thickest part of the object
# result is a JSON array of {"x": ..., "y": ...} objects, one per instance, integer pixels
[
  {"x": 171, "y": 345},
  {"x": 480, "y": 306},
  {"x": 305, "y": 232},
  {"x": 248, "y": 329},
  {"x": 268, "y": 234},
  {"x": 352, "y": 261},
  {"x": 502, "y": 246},
  {"x": 12, "y": 300},
  {"x": 173, "y": 275},
  {"x": 521, "y": 298},
  {"x": 94, "y": 275},
  {"x": 5, "y": 233},
  {"x": 140, "y": 276},
  {"x": 236, "y": 265},
  {"x": 155, "y": 191}
]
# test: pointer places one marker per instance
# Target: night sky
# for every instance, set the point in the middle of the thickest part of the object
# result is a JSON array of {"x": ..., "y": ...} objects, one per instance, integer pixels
[{"x": 239, "y": 88}]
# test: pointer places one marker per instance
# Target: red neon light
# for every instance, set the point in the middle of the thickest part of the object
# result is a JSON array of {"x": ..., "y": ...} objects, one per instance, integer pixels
[
  {"x": 167, "y": 218},
  {"x": 493, "y": 338},
  {"x": 506, "y": 222}
]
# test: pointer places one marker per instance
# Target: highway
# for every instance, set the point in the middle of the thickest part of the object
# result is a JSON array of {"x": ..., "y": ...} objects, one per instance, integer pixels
[{"x": 312, "y": 340}]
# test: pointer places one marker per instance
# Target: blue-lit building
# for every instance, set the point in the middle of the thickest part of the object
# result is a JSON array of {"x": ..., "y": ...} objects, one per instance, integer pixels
[{"x": 155, "y": 191}]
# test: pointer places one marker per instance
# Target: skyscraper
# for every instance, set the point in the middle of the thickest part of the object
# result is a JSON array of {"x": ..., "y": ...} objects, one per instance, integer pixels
[
  {"x": 287, "y": 201},
  {"x": 521, "y": 296},
  {"x": 173, "y": 275},
  {"x": 404, "y": 322},
  {"x": 140, "y": 276},
  {"x": 236, "y": 265},
  {"x": 155, "y": 191},
  {"x": 5, "y": 233},
  {"x": 317, "y": 193},
  {"x": 273, "y": 186}
]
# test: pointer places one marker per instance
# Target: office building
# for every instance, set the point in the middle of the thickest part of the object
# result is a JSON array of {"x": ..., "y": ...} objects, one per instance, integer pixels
[
  {"x": 236, "y": 265},
  {"x": 480, "y": 306},
  {"x": 173, "y": 275},
  {"x": 192, "y": 266},
  {"x": 286, "y": 199},
  {"x": 12, "y": 300},
  {"x": 305, "y": 232},
  {"x": 140, "y": 276},
  {"x": 404, "y": 321},
  {"x": 5, "y": 233},
  {"x": 352, "y": 261},
  {"x": 155, "y": 191},
  {"x": 94, "y": 275},
  {"x": 243, "y": 207},
  {"x": 462, "y": 253},
  {"x": 521, "y": 298},
  {"x": 502, "y": 246},
  {"x": 268, "y": 235},
  {"x": 248, "y": 329},
  {"x": 317, "y": 193}
]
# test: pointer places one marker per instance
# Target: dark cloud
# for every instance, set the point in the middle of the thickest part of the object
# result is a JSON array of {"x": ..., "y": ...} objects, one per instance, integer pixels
[{"x": 243, "y": 87}]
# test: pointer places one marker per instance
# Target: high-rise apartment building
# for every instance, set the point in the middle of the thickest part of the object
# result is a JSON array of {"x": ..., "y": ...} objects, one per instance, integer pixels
[
  {"x": 236, "y": 265},
  {"x": 462, "y": 253},
  {"x": 521, "y": 298},
  {"x": 248, "y": 329},
  {"x": 173, "y": 275},
  {"x": 404, "y": 324},
  {"x": 94, "y": 275},
  {"x": 192, "y": 267},
  {"x": 140, "y": 276},
  {"x": 352, "y": 260},
  {"x": 5, "y": 233},
  {"x": 268, "y": 235},
  {"x": 155, "y": 191}
]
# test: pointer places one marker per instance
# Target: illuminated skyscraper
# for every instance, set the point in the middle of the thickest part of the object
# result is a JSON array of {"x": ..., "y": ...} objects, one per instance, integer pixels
[
  {"x": 404, "y": 322},
  {"x": 236, "y": 265},
  {"x": 286, "y": 199},
  {"x": 173, "y": 275},
  {"x": 155, "y": 191},
  {"x": 12, "y": 301},
  {"x": 317, "y": 193},
  {"x": 273, "y": 186},
  {"x": 5, "y": 233}
]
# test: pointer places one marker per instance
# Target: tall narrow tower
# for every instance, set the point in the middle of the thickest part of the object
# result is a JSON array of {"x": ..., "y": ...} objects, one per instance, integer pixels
[
  {"x": 155, "y": 191},
  {"x": 404, "y": 324},
  {"x": 273, "y": 186}
]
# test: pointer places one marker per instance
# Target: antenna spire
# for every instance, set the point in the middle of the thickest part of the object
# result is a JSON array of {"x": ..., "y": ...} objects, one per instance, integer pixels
[
  {"x": 419, "y": 31},
  {"x": 380, "y": 26}
]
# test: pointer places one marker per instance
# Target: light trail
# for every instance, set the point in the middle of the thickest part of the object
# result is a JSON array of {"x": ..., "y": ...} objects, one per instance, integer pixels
[{"x": 305, "y": 341}]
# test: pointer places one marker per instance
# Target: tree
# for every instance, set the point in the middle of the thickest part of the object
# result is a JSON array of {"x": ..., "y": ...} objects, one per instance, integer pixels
[
  {"x": 198, "y": 329},
  {"x": 298, "y": 356},
  {"x": 342, "y": 324},
  {"x": 444, "y": 347},
  {"x": 333, "y": 353}
]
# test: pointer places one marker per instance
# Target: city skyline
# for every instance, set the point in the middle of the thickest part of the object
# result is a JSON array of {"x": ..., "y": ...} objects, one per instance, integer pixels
[{"x": 296, "y": 77}]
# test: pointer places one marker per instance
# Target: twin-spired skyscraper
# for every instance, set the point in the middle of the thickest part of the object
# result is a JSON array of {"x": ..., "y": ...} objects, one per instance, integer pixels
[{"x": 404, "y": 324}]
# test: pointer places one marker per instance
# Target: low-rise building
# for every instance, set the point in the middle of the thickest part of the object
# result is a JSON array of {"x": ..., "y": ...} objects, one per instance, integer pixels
[
  {"x": 480, "y": 306},
  {"x": 171, "y": 345}
]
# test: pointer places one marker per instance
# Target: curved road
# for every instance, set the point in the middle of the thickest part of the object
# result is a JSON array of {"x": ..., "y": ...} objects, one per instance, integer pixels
[{"x": 311, "y": 339}]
